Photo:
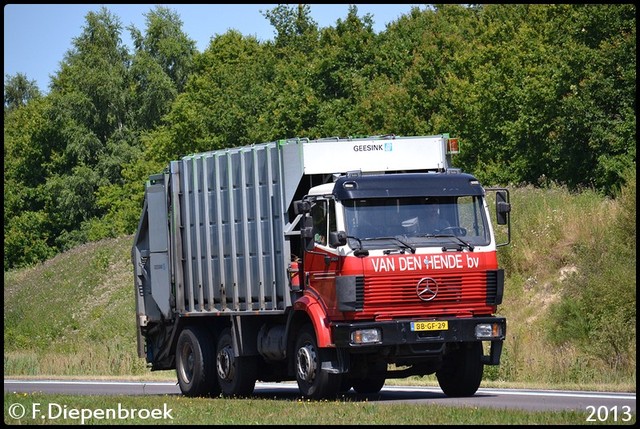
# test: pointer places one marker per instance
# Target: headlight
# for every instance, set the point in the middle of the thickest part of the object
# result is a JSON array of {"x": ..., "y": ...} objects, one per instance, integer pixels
[
  {"x": 488, "y": 330},
  {"x": 366, "y": 336}
]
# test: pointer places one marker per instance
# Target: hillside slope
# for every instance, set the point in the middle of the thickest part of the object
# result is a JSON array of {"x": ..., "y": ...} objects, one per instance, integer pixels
[{"x": 73, "y": 314}]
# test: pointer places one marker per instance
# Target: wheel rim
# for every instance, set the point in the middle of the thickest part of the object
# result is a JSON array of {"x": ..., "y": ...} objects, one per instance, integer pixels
[
  {"x": 307, "y": 363},
  {"x": 187, "y": 363},
  {"x": 224, "y": 364}
]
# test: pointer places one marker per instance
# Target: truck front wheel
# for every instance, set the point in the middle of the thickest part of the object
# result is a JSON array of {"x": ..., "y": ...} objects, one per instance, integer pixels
[
  {"x": 461, "y": 372},
  {"x": 195, "y": 363},
  {"x": 313, "y": 382},
  {"x": 236, "y": 375}
]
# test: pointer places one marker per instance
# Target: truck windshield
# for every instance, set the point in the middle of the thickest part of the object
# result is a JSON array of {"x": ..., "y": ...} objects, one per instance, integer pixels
[{"x": 422, "y": 221}]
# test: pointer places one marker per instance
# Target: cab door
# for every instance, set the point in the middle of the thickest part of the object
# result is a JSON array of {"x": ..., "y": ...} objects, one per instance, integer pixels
[{"x": 322, "y": 262}]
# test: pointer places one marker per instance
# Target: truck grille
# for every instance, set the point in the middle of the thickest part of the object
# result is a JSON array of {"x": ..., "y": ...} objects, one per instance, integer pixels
[{"x": 473, "y": 292}]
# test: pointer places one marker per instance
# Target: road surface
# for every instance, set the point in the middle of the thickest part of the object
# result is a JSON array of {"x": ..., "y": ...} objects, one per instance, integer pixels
[{"x": 525, "y": 399}]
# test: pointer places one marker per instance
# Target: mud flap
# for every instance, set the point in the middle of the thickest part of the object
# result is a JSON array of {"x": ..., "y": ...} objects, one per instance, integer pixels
[{"x": 493, "y": 358}]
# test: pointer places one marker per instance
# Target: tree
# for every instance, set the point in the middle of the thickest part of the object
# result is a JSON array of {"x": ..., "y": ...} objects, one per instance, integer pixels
[
  {"x": 160, "y": 67},
  {"x": 343, "y": 67},
  {"x": 294, "y": 26},
  {"x": 95, "y": 72},
  {"x": 18, "y": 91},
  {"x": 222, "y": 103},
  {"x": 536, "y": 94},
  {"x": 90, "y": 109},
  {"x": 27, "y": 237}
]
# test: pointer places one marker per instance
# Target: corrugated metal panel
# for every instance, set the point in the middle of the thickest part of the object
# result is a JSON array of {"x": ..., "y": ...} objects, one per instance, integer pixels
[{"x": 233, "y": 249}]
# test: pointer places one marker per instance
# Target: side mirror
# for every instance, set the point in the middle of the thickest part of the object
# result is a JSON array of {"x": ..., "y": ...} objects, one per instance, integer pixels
[
  {"x": 503, "y": 207},
  {"x": 301, "y": 207},
  {"x": 337, "y": 238},
  {"x": 306, "y": 229}
]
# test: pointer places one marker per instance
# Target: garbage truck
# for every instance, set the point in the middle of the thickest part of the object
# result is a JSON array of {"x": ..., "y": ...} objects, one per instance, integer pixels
[{"x": 333, "y": 263}]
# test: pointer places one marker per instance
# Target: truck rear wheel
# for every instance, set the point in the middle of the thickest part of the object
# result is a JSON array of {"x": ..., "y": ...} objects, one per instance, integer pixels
[
  {"x": 236, "y": 375},
  {"x": 195, "y": 363},
  {"x": 312, "y": 381},
  {"x": 461, "y": 372}
]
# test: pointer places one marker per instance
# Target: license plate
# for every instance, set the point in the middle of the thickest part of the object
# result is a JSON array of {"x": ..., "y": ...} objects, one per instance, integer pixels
[{"x": 434, "y": 325}]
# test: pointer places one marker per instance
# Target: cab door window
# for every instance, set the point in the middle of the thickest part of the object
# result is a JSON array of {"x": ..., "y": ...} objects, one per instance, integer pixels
[{"x": 323, "y": 216}]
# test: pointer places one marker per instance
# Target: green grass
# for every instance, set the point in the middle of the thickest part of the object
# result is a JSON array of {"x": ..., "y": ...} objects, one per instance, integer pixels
[
  {"x": 73, "y": 315},
  {"x": 249, "y": 411}
]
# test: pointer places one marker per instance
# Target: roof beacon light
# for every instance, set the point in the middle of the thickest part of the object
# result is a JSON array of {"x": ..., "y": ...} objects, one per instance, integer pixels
[{"x": 452, "y": 146}]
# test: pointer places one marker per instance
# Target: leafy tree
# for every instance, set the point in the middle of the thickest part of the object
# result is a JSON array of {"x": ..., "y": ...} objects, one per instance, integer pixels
[
  {"x": 536, "y": 93},
  {"x": 61, "y": 155},
  {"x": 158, "y": 72},
  {"x": 291, "y": 105},
  {"x": 26, "y": 229},
  {"x": 26, "y": 240},
  {"x": 25, "y": 157},
  {"x": 426, "y": 58},
  {"x": 222, "y": 101},
  {"x": 343, "y": 67},
  {"x": 167, "y": 44},
  {"x": 599, "y": 106},
  {"x": 122, "y": 203},
  {"x": 294, "y": 26},
  {"x": 18, "y": 91},
  {"x": 535, "y": 65},
  {"x": 94, "y": 73},
  {"x": 160, "y": 67}
]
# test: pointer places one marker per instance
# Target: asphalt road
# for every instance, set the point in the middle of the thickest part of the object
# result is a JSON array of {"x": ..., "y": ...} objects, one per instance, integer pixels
[{"x": 532, "y": 400}]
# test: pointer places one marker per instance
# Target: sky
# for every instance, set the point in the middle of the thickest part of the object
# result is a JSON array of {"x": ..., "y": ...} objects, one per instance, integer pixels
[{"x": 37, "y": 36}]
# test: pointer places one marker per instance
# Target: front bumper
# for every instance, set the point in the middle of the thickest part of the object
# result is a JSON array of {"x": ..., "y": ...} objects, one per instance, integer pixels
[{"x": 399, "y": 333}]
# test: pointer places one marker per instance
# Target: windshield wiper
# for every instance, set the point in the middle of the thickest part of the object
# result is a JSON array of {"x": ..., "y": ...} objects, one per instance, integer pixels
[
  {"x": 460, "y": 240},
  {"x": 402, "y": 242},
  {"x": 359, "y": 251}
]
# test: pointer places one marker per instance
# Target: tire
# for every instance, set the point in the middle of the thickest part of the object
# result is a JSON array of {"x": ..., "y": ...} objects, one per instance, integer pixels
[
  {"x": 373, "y": 382},
  {"x": 195, "y": 363},
  {"x": 236, "y": 375},
  {"x": 462, "y": 370},
  {"x": 312, "y": 381}
]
